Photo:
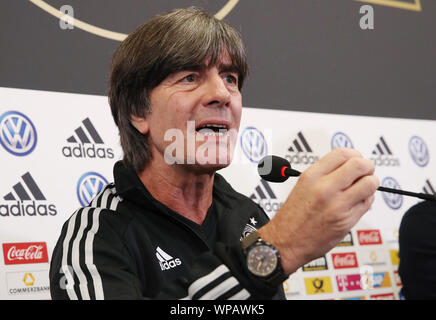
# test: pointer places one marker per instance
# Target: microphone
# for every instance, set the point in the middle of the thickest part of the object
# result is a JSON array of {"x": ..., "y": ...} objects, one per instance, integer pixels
[{"x": 277, "y": 169}]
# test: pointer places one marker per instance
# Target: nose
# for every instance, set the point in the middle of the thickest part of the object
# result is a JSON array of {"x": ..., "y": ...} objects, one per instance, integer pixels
[{"x": 216, "y": 92}]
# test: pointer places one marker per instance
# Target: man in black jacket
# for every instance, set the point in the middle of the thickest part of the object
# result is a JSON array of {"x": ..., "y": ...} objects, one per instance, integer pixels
[
  {"x": 417, "y": 243},
  {"x": 170, "y": 227}
]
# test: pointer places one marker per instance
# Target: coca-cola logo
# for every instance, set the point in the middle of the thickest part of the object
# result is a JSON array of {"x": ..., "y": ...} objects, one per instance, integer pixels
[
  {"x": 344, "y": 260},
  {"x": 367, "y": 237},
  {"x": 24, "y": 253}
]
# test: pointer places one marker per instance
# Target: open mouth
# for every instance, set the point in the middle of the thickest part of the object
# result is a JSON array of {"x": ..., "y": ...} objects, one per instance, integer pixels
[{"x": 212, "y": 129}]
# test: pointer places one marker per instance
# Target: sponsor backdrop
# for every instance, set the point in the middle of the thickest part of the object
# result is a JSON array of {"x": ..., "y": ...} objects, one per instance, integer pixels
[
  {"x": 57, "y": 153},
  {"x": 324, "y": 80}
]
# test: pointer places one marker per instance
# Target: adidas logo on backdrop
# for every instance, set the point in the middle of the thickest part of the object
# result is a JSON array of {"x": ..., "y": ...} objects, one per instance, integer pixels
[
  {"x": 428, "y": 188},
  {"x": 86, "y": 143},
  {"x": 166, "y": 261},
  {"x": 300, "y": 151},
  {"x": 264, "y": 196},
  {"x": 26, "y": 199},
  {"x": 383, "y": 156}
]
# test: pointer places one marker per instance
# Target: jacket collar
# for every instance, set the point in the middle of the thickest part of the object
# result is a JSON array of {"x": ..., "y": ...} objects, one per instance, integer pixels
[{"x": 129, "y": 185}]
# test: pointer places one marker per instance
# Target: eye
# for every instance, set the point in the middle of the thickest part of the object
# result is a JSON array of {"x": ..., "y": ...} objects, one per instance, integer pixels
[
  {"x": 231, "y": 78},
  {"x": 190, "y": 78}
]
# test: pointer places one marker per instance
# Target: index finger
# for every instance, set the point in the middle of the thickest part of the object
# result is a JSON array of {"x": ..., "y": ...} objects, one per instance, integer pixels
[{"x": 332, "y": 160}]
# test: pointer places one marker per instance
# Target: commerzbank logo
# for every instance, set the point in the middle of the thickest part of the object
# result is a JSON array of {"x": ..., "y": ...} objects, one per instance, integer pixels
[
  {"x": 89, "y": 185},
  {"x": 17, "y": 133},
  {"x": 29, "y": 279},
  {"x": 25, "y": 283}
]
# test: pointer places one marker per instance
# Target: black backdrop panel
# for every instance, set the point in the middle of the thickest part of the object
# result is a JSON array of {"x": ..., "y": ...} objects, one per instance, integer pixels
[{"x": 305, "y": 55}]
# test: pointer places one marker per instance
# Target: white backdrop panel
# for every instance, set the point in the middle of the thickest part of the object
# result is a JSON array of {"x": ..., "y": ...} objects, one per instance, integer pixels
[{"x": 76, "y": 137}]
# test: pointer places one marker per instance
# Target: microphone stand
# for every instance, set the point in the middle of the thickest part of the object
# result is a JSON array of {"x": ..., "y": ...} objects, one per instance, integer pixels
[
  {"x": 423, "y": 196},
  {"x": 294, "y": 173}
]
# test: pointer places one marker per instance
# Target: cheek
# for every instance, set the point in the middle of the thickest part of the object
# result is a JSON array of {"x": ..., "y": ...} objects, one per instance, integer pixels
[
  {"x": 237, "y": 113},
  {"x": 169, "y": 121},
  {"x": 237, "y": 116},
  {"x": 164, "y": 116}
]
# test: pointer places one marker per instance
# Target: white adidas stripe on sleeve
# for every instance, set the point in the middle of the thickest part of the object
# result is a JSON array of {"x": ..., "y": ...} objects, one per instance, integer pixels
[
  {"x": 88, "y": 237},
  {"x": 217, "y": 290}
]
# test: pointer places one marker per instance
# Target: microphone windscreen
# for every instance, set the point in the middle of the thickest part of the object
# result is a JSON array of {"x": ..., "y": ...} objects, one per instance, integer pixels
[{"x": 270, "y": 168}]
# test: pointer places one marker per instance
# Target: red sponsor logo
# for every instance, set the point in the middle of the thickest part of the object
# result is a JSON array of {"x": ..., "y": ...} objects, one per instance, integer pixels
[
  {"x": 385, "y": 296},
  {"x": 344, "y": 260},
  {"x": 367, "y": 237},
  {"x": 26, "y": 252}
]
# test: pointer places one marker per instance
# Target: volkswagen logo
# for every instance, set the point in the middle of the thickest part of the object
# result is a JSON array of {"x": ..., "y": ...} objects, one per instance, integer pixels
[
  {"x": 89, "y": 185},
  {"x": 393, "y": 200},
  {"x": 17, "y": 133},
  {"x": 418, "y": 151},
  {"x": 341, "y": 140},
  {"x": 253, "y": 144}
]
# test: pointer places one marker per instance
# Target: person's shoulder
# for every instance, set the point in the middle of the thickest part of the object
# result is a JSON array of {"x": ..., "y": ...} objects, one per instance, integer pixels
[
  {"x": 418, "y": 219},
  {"x": 427, "y": 208},
  {"x": 105, "y": 209}
]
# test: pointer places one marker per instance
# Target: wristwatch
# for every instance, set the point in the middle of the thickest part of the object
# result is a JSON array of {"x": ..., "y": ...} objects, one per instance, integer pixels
[{"x": 263, "y": 259}]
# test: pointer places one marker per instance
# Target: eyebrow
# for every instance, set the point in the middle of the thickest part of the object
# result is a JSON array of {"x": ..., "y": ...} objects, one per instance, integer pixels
[
  {"x": 225, "y": 67},
  {"x": 192, "y": 67},
  {"x": 222, "y": 67}
]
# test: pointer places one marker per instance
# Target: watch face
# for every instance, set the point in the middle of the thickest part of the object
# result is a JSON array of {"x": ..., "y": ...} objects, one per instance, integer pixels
[{"x": 261, "y": 260}]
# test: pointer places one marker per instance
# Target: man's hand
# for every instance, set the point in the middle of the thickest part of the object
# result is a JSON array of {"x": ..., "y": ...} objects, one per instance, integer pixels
[{"x": 328, "y": 200}]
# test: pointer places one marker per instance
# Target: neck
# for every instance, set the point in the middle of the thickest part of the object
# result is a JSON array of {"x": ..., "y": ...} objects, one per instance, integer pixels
[{"x": 186, "y": 192}]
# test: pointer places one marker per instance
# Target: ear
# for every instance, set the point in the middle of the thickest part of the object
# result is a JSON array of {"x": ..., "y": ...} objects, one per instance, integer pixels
[{"x": 141, "y": 124}]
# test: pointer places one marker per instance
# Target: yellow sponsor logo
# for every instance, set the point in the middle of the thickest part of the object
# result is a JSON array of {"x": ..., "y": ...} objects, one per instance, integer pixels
[
  {"x": 28, "y": 279},
  {"x": 395, "y": 257},
  {"x": 318, "y": 285}
]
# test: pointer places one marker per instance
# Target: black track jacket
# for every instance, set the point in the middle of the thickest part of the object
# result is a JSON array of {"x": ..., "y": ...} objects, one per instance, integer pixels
[{"x": 127, "y": 245}]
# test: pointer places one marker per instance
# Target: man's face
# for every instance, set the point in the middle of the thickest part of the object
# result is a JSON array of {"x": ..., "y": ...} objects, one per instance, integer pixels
[{"x": 195, "y": 116}]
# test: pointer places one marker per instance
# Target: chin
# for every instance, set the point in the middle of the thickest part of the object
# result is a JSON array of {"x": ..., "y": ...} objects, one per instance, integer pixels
[{"x": 203, "y": 166}]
